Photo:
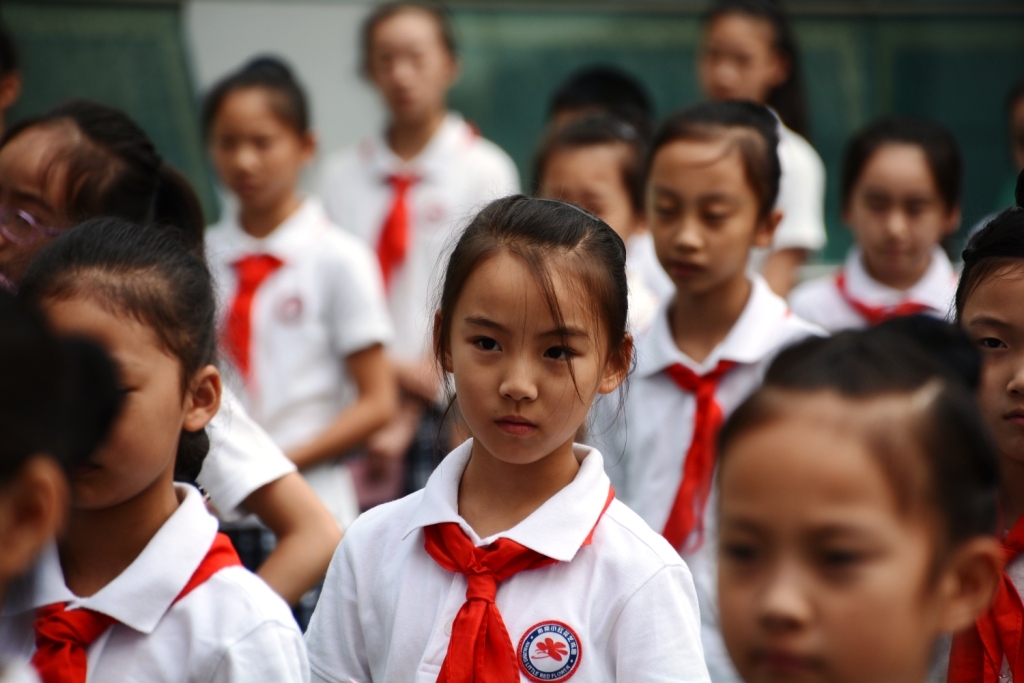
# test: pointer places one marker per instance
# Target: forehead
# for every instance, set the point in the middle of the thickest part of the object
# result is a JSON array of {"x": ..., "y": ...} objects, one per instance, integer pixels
[
  {"x": 27, "y": 161},
  {"x": 899, "y": 163},
  {"x": 407, "y": 26},
  {"x": 251, "y": 106},
  {"x": 601, "y": 161},
  {"x": 741, "y": 32},
  {"x": 998, "y": 296},
  {"x": 695, "y": 167}
]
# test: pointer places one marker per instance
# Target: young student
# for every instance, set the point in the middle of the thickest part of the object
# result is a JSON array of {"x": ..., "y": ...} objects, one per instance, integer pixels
[
  {"x": 57, "y": 401},
  {"x": 596, "y": 162},
  {"x": 82, "y": 160},
  {"x": 602, "y": 89},
  {"x": 516, "y": 563},
  {"x": 901, "y": 198},
  {"x": 988, "y": 309},
  {"x": 304, "y": 321},
  {"x": 10, "y": 73},
  {"x": 406, "y": 193},
  {"x": 857, "y": 500},
  {"x": 141, "y": 585},
  {"x": 749, "y": 52},
  {"x": 711, "y": 183}
]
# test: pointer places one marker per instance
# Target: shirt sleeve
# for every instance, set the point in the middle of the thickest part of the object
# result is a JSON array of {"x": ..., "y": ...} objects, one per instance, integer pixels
[
  {"x": 801, "y": 196},
  {"x": 270, "y": 652},
  {"x": 334, "y": 639},
  {"x": 242, "y": 459},
  {"x": 359, "y": 314},
  {"x": 657, "y": 635}
]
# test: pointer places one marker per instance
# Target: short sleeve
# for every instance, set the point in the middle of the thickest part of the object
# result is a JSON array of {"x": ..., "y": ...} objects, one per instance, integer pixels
[
  {"x": 663, "y": 611},
  {"x": 801, "y": 196},
  {"x": 335, "y": 639},
  {"x": 359, "y": 314},
  {"x": 270, "y": 652},
  {"x": 242, "y": 459}
]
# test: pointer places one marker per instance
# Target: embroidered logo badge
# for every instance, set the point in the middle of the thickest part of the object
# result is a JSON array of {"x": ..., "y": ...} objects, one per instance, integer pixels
[
  {"x": 289, "y": 310},
  {"x": 549, "y": 651}
]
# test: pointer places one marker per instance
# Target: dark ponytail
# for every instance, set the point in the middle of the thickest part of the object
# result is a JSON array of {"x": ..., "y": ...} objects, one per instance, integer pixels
[
  {"x": 147, "y": 275},
  {"x": 112, "y": 169}
]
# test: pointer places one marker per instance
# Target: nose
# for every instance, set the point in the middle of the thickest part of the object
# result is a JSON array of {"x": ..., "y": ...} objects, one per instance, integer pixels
[
  {"x": 897, "y": 225},
  {"x": 689, "y": 236},
  {"x": 517, "y": 383},
  {"x": 785, "y": 606},
  {"x": 1016, "y": 384}
]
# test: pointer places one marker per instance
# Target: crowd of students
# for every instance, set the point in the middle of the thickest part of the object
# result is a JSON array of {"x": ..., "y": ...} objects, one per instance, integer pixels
[{"x": 600, "y": 431}]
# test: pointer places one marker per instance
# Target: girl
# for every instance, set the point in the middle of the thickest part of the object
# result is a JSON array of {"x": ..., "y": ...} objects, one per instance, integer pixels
[
  {"x": 304, "y": 319},
  {"x": 142, "y": 587},
  {"x": 57, "y": 401},
  {"x": 857, "y": 498},
  {"x": 901, "y": 197},
  {"x": 750, "y": 53},
  {"x": 406, "y": 192},
  {"x": 597, "y": 163},
  {"x": 711, "y": 183},
  {"x": 81, "y": 160},
  {"x": 515, "y": 563},
  {"x": 988, "y": 308}
]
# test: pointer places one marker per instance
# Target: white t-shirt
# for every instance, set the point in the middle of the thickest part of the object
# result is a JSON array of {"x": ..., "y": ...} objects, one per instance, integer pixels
[
  {"x": 17, "y": 671},
  {"x": 387, "y": 607},
  {"x": 324, "y": 304},
  {"x": 648, "y": 441},
  {"x": 459, "y": 173},
  {"x": 231, "y": 628},
  {"x": 820, "y": 302}
]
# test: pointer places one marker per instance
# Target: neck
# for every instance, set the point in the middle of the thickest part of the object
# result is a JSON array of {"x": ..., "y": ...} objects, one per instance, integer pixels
[
  {"x": 494, "y": 495},
  {"x": 260, "y": 222},
  {"x": 408, "y": 138},
  {"x": 101, "y": 544},
  {"x": 1013, "y": 491},
  {"x": 901, "y": 281},
  {"x": 700, "y": 321}
]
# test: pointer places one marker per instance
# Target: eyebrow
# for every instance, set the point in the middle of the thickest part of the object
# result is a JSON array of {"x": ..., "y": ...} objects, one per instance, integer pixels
[
  {"x": 561, "y": 332},
  {"x": 30, "y": 198},
  {"x": 989, "y": 322}
]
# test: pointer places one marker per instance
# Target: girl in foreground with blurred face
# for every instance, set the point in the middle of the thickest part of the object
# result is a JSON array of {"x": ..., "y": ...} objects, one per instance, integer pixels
[
  {"x": 516, "y": 563},
  {"x": 858, "y": 495}
]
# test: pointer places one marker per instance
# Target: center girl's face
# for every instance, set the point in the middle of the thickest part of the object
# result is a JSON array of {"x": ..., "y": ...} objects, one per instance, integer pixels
[
  {"x": 821, "y": 576},
  {"x": 258, "y": 155},
  {"x": 994, "y": 318},
  {"x": 28, "y": 184},
  {"x": 139, "y": 453},
  {"x": 512, "y": 367},
  {"x": 739, "y": 61},
  {"x": 703, "y": 214},
  {"x": 897, "y": 214},
  {"x": 591, "y": 177}
]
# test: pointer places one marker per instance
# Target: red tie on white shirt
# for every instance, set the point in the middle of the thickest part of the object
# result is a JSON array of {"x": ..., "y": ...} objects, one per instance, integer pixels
[
  {"x": 251, "y": 271},
  {"x": 394, "y": 237},
  {"x": 63, "y": 636},
  {"x": 687, "y": 514},
  {"x": 977, "y": 654},
  {"x": 876, "y": 315},
  {"x": 480, "y": 650}
]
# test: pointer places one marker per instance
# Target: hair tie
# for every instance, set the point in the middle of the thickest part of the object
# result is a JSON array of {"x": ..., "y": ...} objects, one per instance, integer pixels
[{"x": 967, "y": 255}]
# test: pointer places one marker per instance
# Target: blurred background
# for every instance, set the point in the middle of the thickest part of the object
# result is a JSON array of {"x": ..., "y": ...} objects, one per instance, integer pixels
[{"x": 950, "y": 60}]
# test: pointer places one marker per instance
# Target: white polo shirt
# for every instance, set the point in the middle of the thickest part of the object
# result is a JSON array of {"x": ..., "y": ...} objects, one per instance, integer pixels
[
  {"x": 324, "y": 304},
  {"x": 648, "y": 441},
  {"x": 459, "y": 173},
  {"x": 820, "y": 302},
  {"x": 232, "y": 627},
  {"x": 387, "y": 607}
]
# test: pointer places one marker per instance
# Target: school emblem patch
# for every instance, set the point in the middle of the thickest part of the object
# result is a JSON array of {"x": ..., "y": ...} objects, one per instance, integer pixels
[{"x": 549, "y": 651}]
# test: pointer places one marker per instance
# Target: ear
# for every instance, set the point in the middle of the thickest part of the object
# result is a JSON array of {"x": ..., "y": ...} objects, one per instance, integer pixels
[
  {"x": 33, "y": 507},
  {"x": 454, "y": 71},
  {"x": 952, "y": 221},
  {"x": 10, "y": 90},
  {"x": 765, "y": 229},
  {"x": 309, "y": 145},
  {"x": 203, "y": 399},
  {"x": 446, "y": 358},
  {"x": 969, "y": 582},
  {"x": 778, "y": 71},
  {"x": 617, "y": 368}
]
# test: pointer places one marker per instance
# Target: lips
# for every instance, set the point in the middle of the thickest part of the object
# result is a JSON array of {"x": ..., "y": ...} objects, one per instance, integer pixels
[
  {"x": 682, "y": 269},
  {"x": 515, "y": 425},
  {"x": 784, "y": 662},
  {"x": 1015, "y": 416}
]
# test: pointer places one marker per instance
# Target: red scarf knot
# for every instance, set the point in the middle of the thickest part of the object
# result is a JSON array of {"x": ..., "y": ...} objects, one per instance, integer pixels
[
  {"x": 393, "y": 244},
  {"x": 875, "y": 315},
  {"x": 251, "y": 271}
]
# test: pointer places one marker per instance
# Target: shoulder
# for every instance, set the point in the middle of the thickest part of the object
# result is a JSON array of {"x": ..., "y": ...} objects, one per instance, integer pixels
[
  {"x": 347, "y": 160},
  {"x": 627, "y": 541},
  {"x": 381, "y": 527},
  {"x": 485, "y": 157},
  {"x": 241, "y": 601},
  {"x": 812, "y": 293},
  {"x": 798, "y": 154}
]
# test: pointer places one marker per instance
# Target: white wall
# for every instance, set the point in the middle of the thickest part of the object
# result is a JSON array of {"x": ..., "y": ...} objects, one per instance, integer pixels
[{"x": 319, "y": 40}]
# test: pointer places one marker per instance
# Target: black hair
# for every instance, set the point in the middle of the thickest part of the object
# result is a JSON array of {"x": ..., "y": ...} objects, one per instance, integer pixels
[
  {"x": 605, "y": 88},
  {"x": 435, "y": 10},
  {"x": 145, "y": 274},
  {"x": 755, "y": 135},
  {"x": 788, "y": 99},
  {"x": 537, "y": 231},
  {"x": 938, "y": 144},
  {"x": 997, "y": 245},
  {"x": 940, "y": 457},
  {"x": 288, "y": 100},
  {"x": 9, "y": 61},
  {"x": 57, "y": 398},
  {"x": 600, "y": 129},
  {"x": 111, "y": 168}
]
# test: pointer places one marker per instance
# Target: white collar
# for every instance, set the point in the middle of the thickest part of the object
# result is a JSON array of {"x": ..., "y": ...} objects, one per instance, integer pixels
[
  {"x": 453, "y": 134},
  {"x": 294, "y": 237},
  {"x": 750, "y": 340},
  {"x": 557, "y": 529},
  {"x": 934, "y": 289},
  {"x": 140, "y": 595}
]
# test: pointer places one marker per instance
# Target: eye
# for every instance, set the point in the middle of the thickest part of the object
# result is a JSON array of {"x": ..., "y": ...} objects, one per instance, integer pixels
[
  {"x": 740, "y": 553},
  {"x": 559, "y": 353},
  {"x": 715, "y": 218},
  {"x": 839, "y": 560},
  {"x": 486, "y": 344},
  {"x": 991, "y": 343}
]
